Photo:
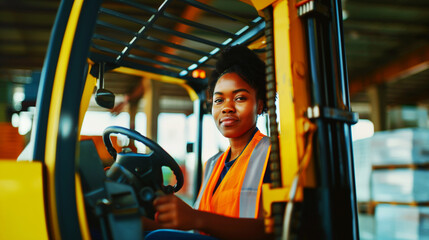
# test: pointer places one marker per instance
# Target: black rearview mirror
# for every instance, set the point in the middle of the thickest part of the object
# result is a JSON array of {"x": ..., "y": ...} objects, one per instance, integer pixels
[{"x": 104, "y": 98}]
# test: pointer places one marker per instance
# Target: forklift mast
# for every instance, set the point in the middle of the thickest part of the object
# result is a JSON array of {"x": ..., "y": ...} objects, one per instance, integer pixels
[{"x": 312, "y": 194}]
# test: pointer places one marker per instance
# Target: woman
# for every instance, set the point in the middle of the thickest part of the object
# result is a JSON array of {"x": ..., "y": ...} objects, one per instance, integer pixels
[{"x": 228, "y": 205}]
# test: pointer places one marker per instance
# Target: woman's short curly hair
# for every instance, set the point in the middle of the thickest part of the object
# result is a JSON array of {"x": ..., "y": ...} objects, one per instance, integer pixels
[{"x": 241, "y": 60}]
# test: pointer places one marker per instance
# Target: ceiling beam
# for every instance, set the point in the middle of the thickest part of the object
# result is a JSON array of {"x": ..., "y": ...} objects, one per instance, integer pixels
[
  {"x": 22, "y": 62},
  {"x": 26, "y": 26},
  {"x": 409, "y": 91},
  {"x": 386, "y": 27},
  {"x": 401, "y": 67},
  {"x": 189, "y": 13},
  {"x": 412, "y": 7},
  {"x": 18, "y": 43},
  {"x": 30, "y": 7}
]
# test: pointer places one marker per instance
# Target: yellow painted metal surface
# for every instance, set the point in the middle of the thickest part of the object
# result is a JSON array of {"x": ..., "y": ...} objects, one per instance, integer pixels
[
  {"x": 88, "y": 90},
  {"x": 295, "y": 135},
  {"x": 162, "y": 78},
  {"x": 80, "y": 204},
  {"x": 286, "y": 98},
  {"x": 22, "y": 206},
  {"x": 90, "y": 84},
  {"x": 287, "y": 133},
  {"x": 272, "y": 195},
  {"x": 260, "y": 4},
  {"x": 54, "y": 113},
  {"x": 301, "y": 95},
  {"x": 258, "y": 43}
]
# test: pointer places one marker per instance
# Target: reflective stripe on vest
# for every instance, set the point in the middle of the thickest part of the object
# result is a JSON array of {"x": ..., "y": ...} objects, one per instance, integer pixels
[
  {"x": 207, "y": 173},
  {"x": 254, "y": 175},
  {"x": 249, "y": 192}
]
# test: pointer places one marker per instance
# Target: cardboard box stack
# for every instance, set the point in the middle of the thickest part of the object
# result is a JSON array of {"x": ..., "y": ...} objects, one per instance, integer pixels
[
  {"x": 362, "y": 165},
  {"x": 398, "y": 183},
  {"x": 401, "y": 222}
]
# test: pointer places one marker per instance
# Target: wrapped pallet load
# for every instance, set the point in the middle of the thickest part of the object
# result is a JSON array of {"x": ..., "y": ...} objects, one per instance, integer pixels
[
  {"x": 402, "y": 222},
  {"x": 400, "y": 147}
]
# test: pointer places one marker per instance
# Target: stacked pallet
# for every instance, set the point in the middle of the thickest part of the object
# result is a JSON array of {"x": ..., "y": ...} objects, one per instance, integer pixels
[{"x": 392, "y": 169}]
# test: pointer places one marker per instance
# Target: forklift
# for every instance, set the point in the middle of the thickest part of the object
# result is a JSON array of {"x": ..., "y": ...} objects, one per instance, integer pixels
[{"x": 61, "y": 191}]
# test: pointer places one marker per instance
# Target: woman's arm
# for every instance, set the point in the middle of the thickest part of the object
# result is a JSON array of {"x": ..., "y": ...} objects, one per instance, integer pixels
[{"x": 176, "y": 214}]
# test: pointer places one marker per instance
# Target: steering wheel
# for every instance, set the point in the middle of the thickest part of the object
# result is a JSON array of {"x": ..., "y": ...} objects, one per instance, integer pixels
[{"x": 142, "y": 171}]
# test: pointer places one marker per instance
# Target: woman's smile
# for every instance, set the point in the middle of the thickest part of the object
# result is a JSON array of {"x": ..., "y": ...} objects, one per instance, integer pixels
[{"x": 228, "y": 121}]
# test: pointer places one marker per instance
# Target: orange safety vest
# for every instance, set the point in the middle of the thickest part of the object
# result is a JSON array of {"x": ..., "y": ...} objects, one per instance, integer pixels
[{"x": 240, "y": 190}]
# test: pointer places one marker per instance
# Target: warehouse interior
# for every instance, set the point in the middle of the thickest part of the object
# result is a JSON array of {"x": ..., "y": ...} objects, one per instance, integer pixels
[{"x": 387, "y": 53}]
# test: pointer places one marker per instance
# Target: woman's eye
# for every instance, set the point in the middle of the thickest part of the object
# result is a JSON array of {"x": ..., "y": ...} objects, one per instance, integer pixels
[
  {"x": 218, "y": 101},
  {"x": 240, "y": 98}
]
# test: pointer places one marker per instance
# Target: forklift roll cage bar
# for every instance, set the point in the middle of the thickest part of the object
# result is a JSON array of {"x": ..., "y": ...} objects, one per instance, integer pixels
[{"x": 119, "y": 53}]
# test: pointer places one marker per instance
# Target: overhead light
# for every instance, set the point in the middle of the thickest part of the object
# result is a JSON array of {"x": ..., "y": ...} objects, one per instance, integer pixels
[
  {"x": 214, "y": 51},
  {"x": 192, "y": 67},
  {"x": 183, "y": 73}
]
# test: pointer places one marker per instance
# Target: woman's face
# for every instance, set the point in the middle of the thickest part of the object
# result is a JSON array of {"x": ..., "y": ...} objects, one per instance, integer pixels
[{"x": 235, "y": 106}]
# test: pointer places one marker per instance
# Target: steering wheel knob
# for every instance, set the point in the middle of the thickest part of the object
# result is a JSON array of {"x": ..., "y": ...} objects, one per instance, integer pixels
[
  {"x": 122, "y": 140},
  {"x": 146, "y": 194}
]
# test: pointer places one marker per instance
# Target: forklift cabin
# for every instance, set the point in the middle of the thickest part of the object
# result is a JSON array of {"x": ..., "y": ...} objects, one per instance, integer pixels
[{"x": 61, "y": 191}]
